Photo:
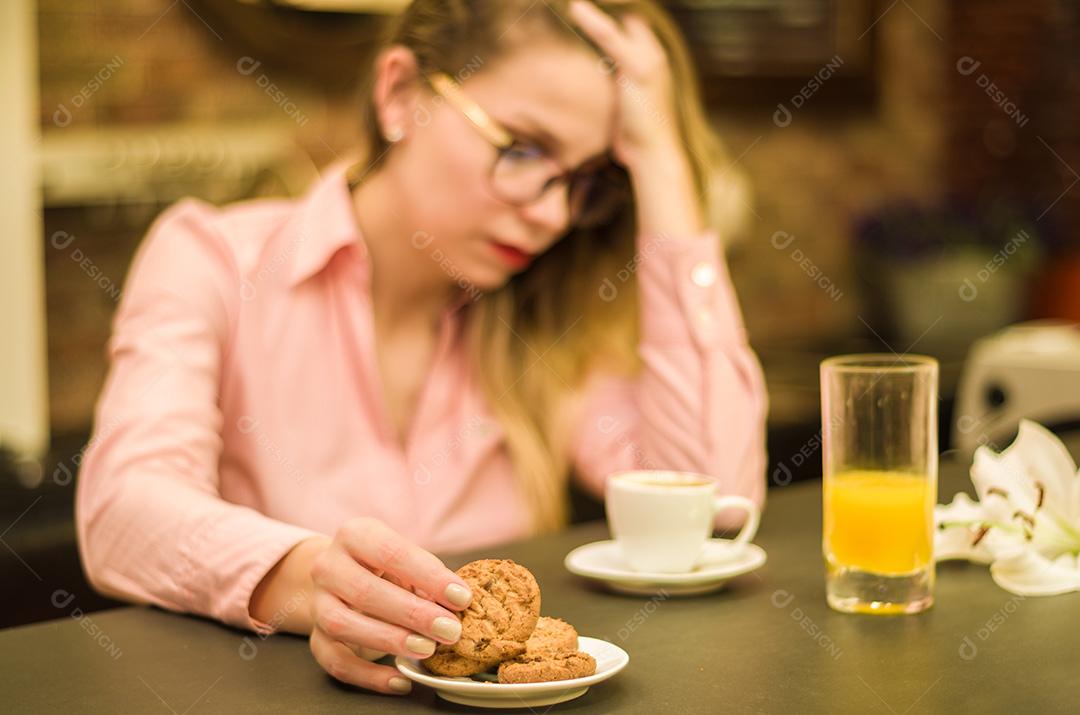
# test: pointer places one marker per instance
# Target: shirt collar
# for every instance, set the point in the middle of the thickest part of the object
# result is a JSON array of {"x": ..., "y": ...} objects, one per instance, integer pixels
[{"x": 324, "y": 224}]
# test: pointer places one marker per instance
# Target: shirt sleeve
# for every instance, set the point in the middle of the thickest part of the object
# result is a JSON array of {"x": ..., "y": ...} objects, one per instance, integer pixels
[
  {"x": 152, "y": 526},
  {"x": 699, "y": 402}
]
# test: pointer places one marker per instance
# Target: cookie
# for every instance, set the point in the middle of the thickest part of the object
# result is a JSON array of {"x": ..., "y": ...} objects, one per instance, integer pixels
[
  {"x": 552, "y": 635},
  {"x": 546, "y": 667},
  {"x": 444, "y": 661},
  {"x": 504, "y": 610}
]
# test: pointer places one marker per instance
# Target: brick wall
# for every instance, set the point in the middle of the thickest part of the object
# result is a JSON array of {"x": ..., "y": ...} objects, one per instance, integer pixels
[{"x": 1013, "y": 104}]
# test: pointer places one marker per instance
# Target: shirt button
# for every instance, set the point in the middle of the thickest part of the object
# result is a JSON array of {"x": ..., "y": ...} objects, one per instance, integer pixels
[
  {"x": 703, "y": 274},
  {"x": 706, "y": 327}
]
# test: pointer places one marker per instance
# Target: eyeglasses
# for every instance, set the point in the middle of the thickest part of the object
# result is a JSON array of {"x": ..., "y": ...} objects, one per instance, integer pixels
[{"x": 522, "y": 172}]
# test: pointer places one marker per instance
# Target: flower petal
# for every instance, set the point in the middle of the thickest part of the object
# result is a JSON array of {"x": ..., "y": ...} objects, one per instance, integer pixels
[
  {"x": 1053, "y": 537},
  {"x": 1028, "y": 573},
  {"x": 955, "y": 542},
  {"x": 1049, "y": 464},
  {"x": 1002, "y": 483},
  {"x": 1036, "y": 471}
]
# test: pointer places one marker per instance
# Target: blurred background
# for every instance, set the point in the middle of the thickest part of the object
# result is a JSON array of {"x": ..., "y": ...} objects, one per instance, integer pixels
[{"x": 912, "y": 172}]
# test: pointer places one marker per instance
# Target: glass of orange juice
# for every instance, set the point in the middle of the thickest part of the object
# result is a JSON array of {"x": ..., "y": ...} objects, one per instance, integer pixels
[{"x": 879, "y": 452}]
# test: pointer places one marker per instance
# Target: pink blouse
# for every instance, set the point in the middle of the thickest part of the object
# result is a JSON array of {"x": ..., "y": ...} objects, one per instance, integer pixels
[{"x": 243, "y": 410}]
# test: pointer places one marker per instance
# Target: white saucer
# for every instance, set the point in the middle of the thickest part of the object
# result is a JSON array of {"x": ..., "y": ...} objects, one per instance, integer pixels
[
  {"x": 610, "y": 659},
  {"x": 721, "y": 559}
]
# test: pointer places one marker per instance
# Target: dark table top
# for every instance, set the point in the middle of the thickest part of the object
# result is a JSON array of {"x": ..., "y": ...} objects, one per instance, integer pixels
[{"x": 766, "y": 643}]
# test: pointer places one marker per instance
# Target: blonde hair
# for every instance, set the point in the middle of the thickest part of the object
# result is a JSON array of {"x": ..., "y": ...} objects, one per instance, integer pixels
[{"x": 534, "y": 340}]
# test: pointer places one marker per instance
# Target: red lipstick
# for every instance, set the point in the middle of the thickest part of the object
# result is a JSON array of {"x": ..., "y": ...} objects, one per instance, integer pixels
[{"x": 515, "y": 257}]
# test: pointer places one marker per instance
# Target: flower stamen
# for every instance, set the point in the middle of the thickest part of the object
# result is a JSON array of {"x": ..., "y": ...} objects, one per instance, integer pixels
[{"x": 1027, "y": 519}]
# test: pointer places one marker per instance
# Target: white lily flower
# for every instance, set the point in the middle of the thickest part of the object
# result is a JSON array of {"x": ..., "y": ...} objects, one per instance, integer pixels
[{"x": 1026, "y": 524}]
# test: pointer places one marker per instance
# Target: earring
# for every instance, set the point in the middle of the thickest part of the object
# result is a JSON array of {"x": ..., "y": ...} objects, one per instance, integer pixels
[{"x": 395, "y": 134}]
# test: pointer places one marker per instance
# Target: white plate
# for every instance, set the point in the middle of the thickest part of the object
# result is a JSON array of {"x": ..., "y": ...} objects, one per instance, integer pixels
[
  {"x": 721, "y": 559},
  {"x": 610, "y": 659}
]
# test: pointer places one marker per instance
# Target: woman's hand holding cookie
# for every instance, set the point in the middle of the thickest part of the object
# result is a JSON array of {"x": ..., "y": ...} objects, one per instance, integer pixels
[{"x": 375, "y": 593}]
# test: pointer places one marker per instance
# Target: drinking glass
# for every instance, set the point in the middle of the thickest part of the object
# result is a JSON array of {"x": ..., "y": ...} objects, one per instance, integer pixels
[{"x": 879, "y": 452}]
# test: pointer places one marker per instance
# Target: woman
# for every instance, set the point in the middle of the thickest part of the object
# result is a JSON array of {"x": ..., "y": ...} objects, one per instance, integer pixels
[{"x": 516, "y": 283}]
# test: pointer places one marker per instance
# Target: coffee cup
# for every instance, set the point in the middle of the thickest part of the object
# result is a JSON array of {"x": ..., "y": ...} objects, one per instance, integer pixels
[{"x": 661, "y": 519}]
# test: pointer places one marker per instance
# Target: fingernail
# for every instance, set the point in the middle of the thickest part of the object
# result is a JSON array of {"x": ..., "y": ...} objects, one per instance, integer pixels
[
  {"x": 458, "y": 595},
  {"x": 400, "y": 685},
  {"x": 448, "y": 628},
  {"x": 423, "y": 647}
]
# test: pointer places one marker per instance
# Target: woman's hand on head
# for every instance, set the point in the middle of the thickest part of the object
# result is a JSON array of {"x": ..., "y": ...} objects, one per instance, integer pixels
[
  {"x": 646, "y": 113},
  {"x": 377, "y": 593}
]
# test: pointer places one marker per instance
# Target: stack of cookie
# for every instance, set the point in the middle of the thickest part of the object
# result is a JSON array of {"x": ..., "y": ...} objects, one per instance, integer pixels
[{"x": 502, "y": 628}]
